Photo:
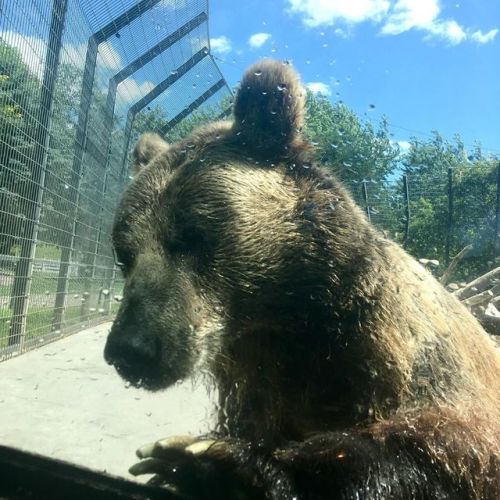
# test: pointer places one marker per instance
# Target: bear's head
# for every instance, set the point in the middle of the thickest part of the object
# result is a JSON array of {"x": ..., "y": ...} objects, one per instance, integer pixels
[{"x": 216, "y": 233}]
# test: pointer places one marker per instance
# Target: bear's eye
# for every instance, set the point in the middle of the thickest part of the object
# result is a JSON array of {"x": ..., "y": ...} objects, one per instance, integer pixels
[
  {"x": 187, "y": 241},
  {"x": 120, "y": 261}
]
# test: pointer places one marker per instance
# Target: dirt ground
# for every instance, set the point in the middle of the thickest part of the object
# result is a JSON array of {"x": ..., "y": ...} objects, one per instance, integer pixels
[{"x": 64, "y": 401}]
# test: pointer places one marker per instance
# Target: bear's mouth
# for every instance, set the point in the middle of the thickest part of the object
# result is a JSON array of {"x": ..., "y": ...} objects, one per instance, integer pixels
[{"x": 148, "y": 379}]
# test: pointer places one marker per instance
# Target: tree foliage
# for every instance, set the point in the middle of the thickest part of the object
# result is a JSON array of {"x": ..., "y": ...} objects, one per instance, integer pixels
[
  {"x": 352, "y": 148},
  {"x": 428, "y": 165},
  {"x": 19, "y": 97}
]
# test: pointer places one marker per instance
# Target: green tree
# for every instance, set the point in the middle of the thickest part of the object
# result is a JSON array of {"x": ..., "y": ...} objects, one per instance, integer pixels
[
  {"x": 19, "y": 97},
  {"x": 352, "y": 148},
  {"x": 473, "y": 193}
]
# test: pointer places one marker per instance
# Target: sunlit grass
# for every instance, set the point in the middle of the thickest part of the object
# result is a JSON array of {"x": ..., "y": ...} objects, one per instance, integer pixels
[{"x": 39, "y": 320}]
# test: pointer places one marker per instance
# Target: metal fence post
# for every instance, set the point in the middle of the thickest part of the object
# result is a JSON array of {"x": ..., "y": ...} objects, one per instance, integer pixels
[
  {"x": 82, "y": 143},
  {"x": 365, "y": 199},
  {"x": 76, "y": 173},
  {"x": 24, "y": 268},
  {"x": 449, "y": 225},
  {"x": 406, "y": 197}
]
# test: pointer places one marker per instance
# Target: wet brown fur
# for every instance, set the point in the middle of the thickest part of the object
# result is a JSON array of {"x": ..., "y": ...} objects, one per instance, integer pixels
[{"x": 308, "y": 318}]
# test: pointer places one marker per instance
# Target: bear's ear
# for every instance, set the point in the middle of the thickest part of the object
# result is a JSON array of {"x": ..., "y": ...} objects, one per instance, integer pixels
[
  {"x": 148, "y": 146},
  {"x": 269, "y": 106}
]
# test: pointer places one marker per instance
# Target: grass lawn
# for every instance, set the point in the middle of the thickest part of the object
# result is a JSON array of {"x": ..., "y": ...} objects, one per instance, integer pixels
[
  {"x": 42, "y": 298},
  {"x": 39, "y": 320},
  {"x": 46, "y": 283}
]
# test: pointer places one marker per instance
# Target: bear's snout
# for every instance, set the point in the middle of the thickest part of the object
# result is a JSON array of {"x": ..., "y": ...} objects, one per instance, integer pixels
[{"x": 131, "y": 351}]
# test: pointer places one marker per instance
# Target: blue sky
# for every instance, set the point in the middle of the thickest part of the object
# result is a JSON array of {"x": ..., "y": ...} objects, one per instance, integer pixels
[{"x": 425, "y": 64}]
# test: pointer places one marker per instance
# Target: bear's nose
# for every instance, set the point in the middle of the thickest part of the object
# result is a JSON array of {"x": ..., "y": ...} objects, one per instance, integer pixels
[{"x": 131, "y": 350}]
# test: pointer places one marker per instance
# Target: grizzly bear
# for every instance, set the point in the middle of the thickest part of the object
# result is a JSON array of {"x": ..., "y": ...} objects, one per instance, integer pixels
[{"x": 344, "y": 369}]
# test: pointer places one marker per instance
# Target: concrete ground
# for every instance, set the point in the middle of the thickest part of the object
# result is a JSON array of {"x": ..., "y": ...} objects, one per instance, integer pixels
[{"x": 64, "y": 401}]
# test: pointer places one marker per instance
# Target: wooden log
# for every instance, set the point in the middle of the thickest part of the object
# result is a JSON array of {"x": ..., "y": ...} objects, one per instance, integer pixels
[
  {"x": 453, "y": 264},
  {"x": 478, "y": 299},
  {"x": 480, "y": 284}
]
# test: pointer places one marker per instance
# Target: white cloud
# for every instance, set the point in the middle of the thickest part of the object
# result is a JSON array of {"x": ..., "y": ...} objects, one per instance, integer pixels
[
  {"x": 319, "y": 88},
  {"x": 409, "y": 14},
  {"x": 404, "y": 146},
  {"x": 130, "y": 90},
  {"x": 328, "y": 12},
  {"x": 480, "y": 37},
  {"x": 423, "y": 15},
  {"x": 258, "y": 39},
  {"x": 33, "y": 52},
  {"x": 341, "y": 33},
  {"x": 220, "y": 44},
  {"x": 394, "y": 16},
  {"x": 108, "y": 57},
  {"x": 450, "y": 31},
  {"x": 31, "y": 49}
]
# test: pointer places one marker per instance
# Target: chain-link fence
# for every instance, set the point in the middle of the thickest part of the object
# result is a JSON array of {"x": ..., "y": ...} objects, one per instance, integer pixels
[
  {"x": 74, "y": 75},
  {"x": 435, "y": 214}
]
